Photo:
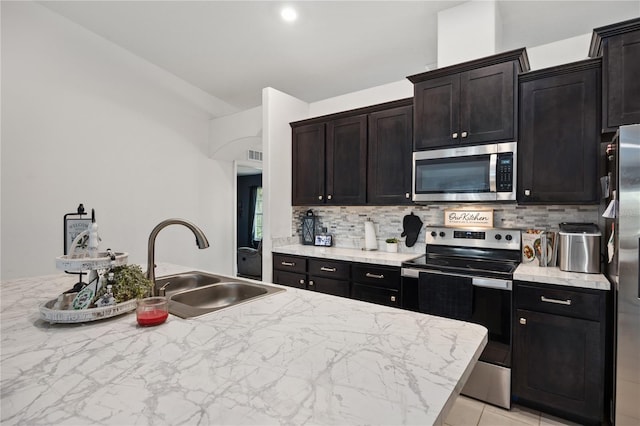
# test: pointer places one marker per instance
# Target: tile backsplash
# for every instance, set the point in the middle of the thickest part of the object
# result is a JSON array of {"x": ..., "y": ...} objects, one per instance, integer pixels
[{"x": 346, "y": 224}]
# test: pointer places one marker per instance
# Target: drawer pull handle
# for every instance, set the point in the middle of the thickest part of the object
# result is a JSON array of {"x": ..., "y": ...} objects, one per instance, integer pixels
[
  {"x": 325, "y": 269},
  {"x": 559, "y": 302},
  {"x": 370, "y": 275},
  {"x": 288, "y": 263}
]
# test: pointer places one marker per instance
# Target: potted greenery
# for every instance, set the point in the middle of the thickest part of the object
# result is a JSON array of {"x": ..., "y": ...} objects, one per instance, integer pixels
[{"x": 392, "y": 245}]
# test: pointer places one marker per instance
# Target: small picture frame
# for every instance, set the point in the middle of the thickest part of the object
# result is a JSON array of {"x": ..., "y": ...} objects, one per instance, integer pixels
[{"x": 324, "y": 240}]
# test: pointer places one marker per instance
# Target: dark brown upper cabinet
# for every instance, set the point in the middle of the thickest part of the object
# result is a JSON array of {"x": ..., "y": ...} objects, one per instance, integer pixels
[
  {"x": 356, "y": 157},
  {"x": 329, "y": 162},
  {"x": 308, "y": 168},
  {"x": 470, "y": 103},
  {"x": 346, "y": 160},
  {"x": 558, "y": 146},
  {"x": 619, "y": 46},
  {"x": 389, "y": 156}
]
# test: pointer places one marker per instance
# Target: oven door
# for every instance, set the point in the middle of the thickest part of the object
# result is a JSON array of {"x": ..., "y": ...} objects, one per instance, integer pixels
[
  {"x": 484, "y": 301},
  {"x": 471, "y": 173}
]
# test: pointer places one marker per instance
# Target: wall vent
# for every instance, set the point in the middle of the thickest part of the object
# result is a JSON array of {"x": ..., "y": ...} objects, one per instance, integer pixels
[{"x": 254, "y": 155}]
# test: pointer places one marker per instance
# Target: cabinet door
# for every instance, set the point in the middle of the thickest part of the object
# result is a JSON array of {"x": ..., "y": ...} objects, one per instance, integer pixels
[
  {"x": 622, "y": 62},
  {"x": 380, "y": 296},
  {"x": 559, "y": 137},
  {"x": 308, "y": 171},
  {"x": 436, "y": 112},
  {"x": 558, "y": 363},
  {"x": 390, "y": 154},
  {"x": 347, "y": 160},
  {"x": 290, "y": 279},
  {"x": 487, "y": 104},
  {"x": 329, "y": 286}
]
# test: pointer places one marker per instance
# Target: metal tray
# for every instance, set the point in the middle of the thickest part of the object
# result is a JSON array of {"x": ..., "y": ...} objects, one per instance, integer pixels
[{"x": 70, "y": 316}]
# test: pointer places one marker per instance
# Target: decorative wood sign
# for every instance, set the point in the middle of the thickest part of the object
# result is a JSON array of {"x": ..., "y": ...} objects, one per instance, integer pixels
[{"x": 470, "y": 218}]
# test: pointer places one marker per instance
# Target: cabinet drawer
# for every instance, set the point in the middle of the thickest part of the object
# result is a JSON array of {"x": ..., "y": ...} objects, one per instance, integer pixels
[
  {"x": 290, "y": 279},
  {"x": 559, "y": 301},
  {"x": 329, "y": 286},
  {"x": 289, "y": 263},
  {"x": 380, "y": 296},
  {"x": 376, "y": 275},
  {"x": 330, "y": 269}
]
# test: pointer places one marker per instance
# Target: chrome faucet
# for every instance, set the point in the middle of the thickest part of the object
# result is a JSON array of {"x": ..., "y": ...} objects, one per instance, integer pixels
[{"x": 201, "y": 241}]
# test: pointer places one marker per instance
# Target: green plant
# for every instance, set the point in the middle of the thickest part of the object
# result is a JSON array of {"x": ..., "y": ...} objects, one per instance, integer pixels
[
  {"x": 392, "y": 240},
  {"x": 130, "y": 283}
]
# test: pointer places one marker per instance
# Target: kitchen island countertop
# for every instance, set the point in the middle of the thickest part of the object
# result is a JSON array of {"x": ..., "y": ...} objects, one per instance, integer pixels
[
  {"x": 378, "y": 257},
  {"x": 295, "y": 357}
]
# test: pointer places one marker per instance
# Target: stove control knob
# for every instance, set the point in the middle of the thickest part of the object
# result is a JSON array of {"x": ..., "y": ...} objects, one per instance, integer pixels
[
  {"x": 508, "y": 237},
  {"x": 434, "y": 234},
  {"x": 442, "y": 234},
  {"x": 498, "y": 237}
]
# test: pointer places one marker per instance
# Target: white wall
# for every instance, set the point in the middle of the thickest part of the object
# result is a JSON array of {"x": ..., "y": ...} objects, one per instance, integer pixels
[
  {"x": 363, "y": 98},
  {"x": 85, "y": 121},
  {"x": 559, "y": 52},
  {"x": 468, "y": 31},
  {"x": 279, "y": 109}
]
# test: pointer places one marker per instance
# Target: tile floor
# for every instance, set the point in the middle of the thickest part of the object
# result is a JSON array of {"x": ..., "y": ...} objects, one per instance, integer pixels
[{"x": 468, "y": 411}]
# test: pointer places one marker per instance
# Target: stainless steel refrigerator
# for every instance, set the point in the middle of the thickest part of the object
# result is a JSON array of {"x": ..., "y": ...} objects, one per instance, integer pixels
[{"x": 623, "y": 271}]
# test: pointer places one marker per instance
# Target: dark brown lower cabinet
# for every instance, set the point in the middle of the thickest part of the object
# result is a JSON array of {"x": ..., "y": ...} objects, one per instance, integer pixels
[
  {"x": 290, "y": 279},
  {"x": 376, "y": 284},
  {"x": 329, "y": 286},
  {"x": 559, "y": 351},
  {"x": 371, "y": 283}
]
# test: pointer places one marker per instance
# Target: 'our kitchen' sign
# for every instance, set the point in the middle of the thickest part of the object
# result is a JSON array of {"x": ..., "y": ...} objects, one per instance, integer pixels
[{"x": 471, "y": 218}]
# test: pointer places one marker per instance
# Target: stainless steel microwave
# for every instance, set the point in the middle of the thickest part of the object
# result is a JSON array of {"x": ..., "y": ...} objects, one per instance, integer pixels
[{"x": 466, "y": 173}]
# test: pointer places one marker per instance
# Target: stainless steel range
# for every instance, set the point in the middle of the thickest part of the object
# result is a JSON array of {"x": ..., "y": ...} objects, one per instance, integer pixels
[{"x": 467, "y": 274}]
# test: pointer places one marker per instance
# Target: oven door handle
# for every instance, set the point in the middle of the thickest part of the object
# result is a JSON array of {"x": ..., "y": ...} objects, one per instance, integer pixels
[
  {"x": 492, "y": 283},
  {"x": 475, "y": 281}
]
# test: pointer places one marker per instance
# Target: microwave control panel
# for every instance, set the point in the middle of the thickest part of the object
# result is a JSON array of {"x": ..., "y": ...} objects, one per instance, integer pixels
[{"x": 504, "y": 174}]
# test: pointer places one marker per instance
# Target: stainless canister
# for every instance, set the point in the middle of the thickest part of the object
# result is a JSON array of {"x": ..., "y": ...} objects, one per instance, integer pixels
[{"x": 579, "y": 247}]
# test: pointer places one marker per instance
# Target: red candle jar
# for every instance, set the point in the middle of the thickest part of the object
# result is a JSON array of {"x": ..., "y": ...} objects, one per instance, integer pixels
[{"x": 152, "y": 311}]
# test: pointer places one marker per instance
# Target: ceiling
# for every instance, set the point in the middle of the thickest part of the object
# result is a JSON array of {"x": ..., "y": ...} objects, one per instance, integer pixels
[{"x": 233, "y": 49}]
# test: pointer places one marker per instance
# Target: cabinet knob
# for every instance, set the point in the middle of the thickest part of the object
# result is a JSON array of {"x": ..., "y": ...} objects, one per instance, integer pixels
[
  {"x": 523, "y": 321},
  {"x": 319, "y": 197},
  {"x": 527, "y": 192},
  {"x": 393, "y": 298},
  {"x": 464, "y": 134},
  {"x": 301, "y": 281},
  {"x": 407, "y": 195},
  {"x": 311, "y": 283},
  {"x": 455, "y": 136},
  {"x": 329, "y": 197}
]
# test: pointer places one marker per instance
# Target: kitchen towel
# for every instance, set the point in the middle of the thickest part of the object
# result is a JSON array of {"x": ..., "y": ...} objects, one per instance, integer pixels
[
  {"x": 445, "y": 296},
  {"x": 411, "y": 225}
]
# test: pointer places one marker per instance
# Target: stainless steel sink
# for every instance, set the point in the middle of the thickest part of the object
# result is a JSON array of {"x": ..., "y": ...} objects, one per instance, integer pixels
[
  {"x": 192, "y": 296},
  {"x": 173, "y": 284}
]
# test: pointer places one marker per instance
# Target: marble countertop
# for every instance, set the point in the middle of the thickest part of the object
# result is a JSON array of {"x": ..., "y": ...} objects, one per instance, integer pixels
[
  {"x": 295, "y": 357},
  {"x": 553, "y": 275},
  {"x": 377, "y": 257}
]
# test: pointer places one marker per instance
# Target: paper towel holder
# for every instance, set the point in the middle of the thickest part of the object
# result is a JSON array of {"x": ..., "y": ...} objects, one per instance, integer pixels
[{"x": 370, "y": 242}]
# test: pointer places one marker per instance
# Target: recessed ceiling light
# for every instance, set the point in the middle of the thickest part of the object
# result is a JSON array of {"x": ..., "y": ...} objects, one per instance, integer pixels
[{"x": 289, "y": 14}]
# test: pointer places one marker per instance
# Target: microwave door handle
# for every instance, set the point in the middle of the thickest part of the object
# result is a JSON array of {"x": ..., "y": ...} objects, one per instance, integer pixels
[{"x": 493, "y": 160}]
